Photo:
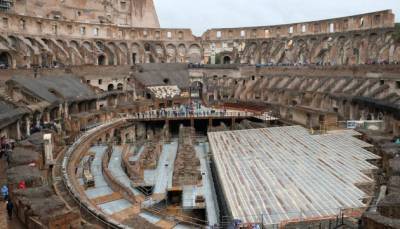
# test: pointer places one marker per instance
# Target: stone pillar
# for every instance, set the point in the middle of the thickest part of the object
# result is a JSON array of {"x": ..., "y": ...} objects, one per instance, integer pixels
[
  {"x": 116, "y": 101},
  {"x": 47, "y": 116},
  {"x": 97, "y": 105},
  {"x": 66, "y": 112},
  {"x": 37, "y": 123},
  {"x": 28, "y": 126},
  {"x": 353, "y": 112},
  {"x": 60, "y": 110},
  {"x": 18, "y": 130}
]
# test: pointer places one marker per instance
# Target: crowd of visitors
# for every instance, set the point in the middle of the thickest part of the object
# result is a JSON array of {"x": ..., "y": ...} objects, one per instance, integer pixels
[
  {"x": 185, "y": 110},
  {"x": 6, "y": 148}
]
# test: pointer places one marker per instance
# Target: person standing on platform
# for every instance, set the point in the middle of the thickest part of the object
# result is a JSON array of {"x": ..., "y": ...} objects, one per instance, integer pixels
[{"x": 10, "y": 207}]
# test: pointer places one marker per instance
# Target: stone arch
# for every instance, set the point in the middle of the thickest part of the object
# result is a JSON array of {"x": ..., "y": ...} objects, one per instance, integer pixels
[
  {"x": 356, "y": 59},
  {"x": 88, "y": 45},
  {"x": 59, "y": 55},
  {"x": 341, "y": 52},
  {"x": 5, "y": 41},
  {"x": 226, "y": 60},
  {"x": 108, "y": 51},
  {"x": 6, "y": 60},
  {"x": 182, "y": 53},
  {"x": 278, "y": 51},
  {"x": 194, "y": 53},
  {"x": 87, "y": 49},
  {"x": 384, "y": 50},
  {"x": 196, "y": 89},
  {"x": 101, "y": 60},
  {"x": 159, "y": 52},
  {"x": 373, "y": 49},
  {"x": 123, "y": 46},
  {"x": 171, "y": 53},
  {"x": 74, "y": 43},
  {"x": 120, "y": 87},
  {"x": 110, "y": 87},
  {"x": 265, "y": 52},
  {"x": 135, "y": 53},
  {"x": 27, "y": 55},
  {"x": 75, "y": 54},
  {"x": 302, "y": 52},
  {"x": 114, "y": 52},
  {"x": 149, "y": 51},
  {"x": 250, "y": 53}
]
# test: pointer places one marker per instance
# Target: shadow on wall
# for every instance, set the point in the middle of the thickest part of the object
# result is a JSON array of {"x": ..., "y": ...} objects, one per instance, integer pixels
[{"x": 397, "y": 32}]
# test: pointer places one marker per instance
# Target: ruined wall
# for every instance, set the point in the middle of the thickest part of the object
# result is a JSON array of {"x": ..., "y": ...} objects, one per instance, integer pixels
[
  {"x": 368, "y": 93},
  {"x": 29, "y": 41},
  {"x": 138, "y": 13},
  {"x": 348, "y": 40}
]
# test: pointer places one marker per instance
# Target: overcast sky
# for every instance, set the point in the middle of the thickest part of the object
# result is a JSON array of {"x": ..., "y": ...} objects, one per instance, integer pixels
[{"x": 200, "y": 15}]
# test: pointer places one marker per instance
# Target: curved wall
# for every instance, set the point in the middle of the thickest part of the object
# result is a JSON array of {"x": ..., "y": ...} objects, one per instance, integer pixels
[{"x": 29, "y": 41}]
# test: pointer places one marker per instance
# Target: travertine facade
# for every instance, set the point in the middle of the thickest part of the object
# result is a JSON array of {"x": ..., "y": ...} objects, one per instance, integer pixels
[
  {"x": 31, "y": 40},
  {"x": 135, "y": 13}
]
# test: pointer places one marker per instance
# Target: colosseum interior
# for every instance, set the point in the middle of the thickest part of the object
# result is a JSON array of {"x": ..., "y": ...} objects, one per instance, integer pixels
[{"x": 109, "y": 121}]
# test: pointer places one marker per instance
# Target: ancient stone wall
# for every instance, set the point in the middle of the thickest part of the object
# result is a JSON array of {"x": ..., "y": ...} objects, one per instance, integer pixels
[
  {"x": 30, "y": 41},
  {"x": 138, "y": 13},
  {"x": 350, "y": 93}
]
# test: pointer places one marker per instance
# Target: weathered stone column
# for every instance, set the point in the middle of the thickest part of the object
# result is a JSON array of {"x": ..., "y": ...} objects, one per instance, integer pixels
[
  {"x": 47, "y": 116},
  {"x": 28, "y": 126},
  {"x": 60, "y": 110},
  {"x": 66, "y": 112},
  {"x": 18, "y": 130}
]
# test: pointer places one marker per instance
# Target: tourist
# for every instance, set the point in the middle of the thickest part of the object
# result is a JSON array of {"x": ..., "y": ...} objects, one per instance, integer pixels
[
  {"x": 4, "y": 192},
  {"x": 7, "y": 154},
  {"x": 22, "y": 185},
  {"x": 10, "y": 207}
]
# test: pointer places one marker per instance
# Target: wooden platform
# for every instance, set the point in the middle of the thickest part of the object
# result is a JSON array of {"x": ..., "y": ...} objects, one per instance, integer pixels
[{"x": 107, "y": 198}]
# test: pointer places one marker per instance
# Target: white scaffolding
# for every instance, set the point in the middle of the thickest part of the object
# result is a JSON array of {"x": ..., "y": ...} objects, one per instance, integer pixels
[{"x": 284, "y": 173}]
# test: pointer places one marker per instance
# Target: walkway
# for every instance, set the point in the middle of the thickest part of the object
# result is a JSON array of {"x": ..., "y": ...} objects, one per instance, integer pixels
[
  {"x": 178, "y": 114},
  {"x": 165, "y": 168},
  {"x": 115, "y": 167},
  {"x": 208, "y": 186},
  {"x": 110, "y": 202}
]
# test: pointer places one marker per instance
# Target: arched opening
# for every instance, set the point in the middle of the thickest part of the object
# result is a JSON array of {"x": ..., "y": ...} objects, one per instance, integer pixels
[
  {"x": 5, "y": 60},
  {"x": 133, "y": 58},
  {"x": 110, "y": 87},
  {"x": 195, "y": 54},
  {"x": 120, "y": 87},
  {"x": 356, "y": 53},
  {"x": 101, "y": 60},
  {"x": 152, "y": 59},
  {"x": 227, "y": 60},
  {"x": 147, "y": 47},
  {"x": 196, "y": 90}
]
